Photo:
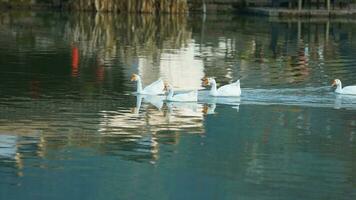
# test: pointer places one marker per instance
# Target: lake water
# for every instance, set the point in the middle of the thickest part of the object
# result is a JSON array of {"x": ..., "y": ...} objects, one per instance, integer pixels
[{"x": 70, "y": 127}]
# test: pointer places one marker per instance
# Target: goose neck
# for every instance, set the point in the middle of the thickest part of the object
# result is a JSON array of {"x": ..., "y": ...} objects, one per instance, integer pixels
[
  {"x": 170, "y": 94},
  {"x": 213, "y": 90},
  {"x": 338, "y": 88},
  {"x": 139, "y": 85}
]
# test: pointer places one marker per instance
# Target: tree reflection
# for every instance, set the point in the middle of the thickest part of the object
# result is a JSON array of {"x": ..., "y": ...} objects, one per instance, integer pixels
[
  {"x": 273, "y": 52},
  {"x": 110, "y": 35}
]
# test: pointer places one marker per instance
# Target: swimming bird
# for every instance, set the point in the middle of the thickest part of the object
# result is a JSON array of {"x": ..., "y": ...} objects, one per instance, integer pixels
[
  {"x": 229, "y": 90},
  {"x": 346, "y": 90},
  {"x": 191, "y": 96},
  {"x": 155, "y": 88}
]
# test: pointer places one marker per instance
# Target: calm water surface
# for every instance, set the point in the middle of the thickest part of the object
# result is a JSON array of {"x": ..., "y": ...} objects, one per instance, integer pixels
[{"x": 70, "y": 127}]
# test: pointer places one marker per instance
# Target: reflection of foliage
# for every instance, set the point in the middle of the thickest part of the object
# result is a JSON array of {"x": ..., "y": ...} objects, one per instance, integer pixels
[
  {"x": 17, "y": 2},
  {"x": 251, "y": 46},
  {"x": 141, "y": 6},
  {"x": 111, "y": 34},
  {"x": 137, "y": 6}
]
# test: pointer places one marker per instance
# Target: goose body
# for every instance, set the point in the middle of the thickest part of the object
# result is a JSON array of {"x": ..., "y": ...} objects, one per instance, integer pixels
[
  {"x": 155, "y": 100},
  {"x": 351, "y": 90},
  {"x": 155, "y": 88},
  {"x": 191, "y": 96},
  {"x": 229, "y": 90}
]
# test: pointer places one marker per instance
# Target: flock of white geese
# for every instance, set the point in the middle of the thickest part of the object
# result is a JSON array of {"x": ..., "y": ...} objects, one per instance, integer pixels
[{"x": 160, "y": 87}]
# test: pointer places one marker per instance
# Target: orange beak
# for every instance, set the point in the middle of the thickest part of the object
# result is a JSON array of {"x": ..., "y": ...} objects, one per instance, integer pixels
[
  {"x": 205, "y": 81},
  {"x": 133, "y": 77},
  {"x": 333, "y": 83},
  {"x": 165, "y": 87}
]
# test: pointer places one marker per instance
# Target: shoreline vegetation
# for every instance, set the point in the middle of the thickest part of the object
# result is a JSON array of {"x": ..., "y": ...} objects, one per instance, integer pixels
[
  {"x": 273, "y": 8},
  {"x": 118, "y": 6}
]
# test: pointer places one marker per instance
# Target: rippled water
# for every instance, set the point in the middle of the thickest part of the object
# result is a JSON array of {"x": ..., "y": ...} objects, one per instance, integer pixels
[{"x": 71, "y": 128}]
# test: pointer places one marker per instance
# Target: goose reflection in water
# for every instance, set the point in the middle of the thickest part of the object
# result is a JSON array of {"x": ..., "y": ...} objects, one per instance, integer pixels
[
  {"x": 209, "y": 109},
  {"x": 211, "y": 102},
  {"x": 345, "y": 101},
  {"x": 140, "y": 131},
  {"x": 188, "y": 109},
  {"x": 156, "y": 101},
  {"x": 8, "y": 145},
  {"x": 185, "y": 115},
  {"x": 9, "y": 152},
  {"x": 154, "y": 114}
]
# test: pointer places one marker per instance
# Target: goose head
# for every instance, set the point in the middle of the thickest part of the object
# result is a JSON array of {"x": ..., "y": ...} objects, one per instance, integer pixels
[
  {"x": 336, "y": 82},
  {"x": 208, "y": 80},
  {"x": 167, "y": 87},
  {"x": 135, "y": 77}
]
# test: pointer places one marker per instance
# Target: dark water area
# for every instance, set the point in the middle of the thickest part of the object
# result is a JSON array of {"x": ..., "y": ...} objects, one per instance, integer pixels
[{"x": 70, "y": 127}]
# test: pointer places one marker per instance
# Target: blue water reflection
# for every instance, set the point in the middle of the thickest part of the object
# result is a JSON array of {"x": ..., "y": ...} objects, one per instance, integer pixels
[{"x": 71, "y": 128}]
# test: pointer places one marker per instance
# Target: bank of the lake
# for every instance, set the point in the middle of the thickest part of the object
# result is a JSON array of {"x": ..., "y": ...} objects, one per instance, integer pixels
[
  {"x": 284, "y": 12},
  {"x": 272, "y": 8},
  {"x": 128, "y": 6}
]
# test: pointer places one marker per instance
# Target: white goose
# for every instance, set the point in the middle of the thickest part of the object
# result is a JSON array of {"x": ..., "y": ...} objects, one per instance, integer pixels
[
  {"x": 155, "y": 88},
  {"x": 191, "y": 96},
  {"x": 229, "y": 90},
  {"x": 346, "y": 90}
]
